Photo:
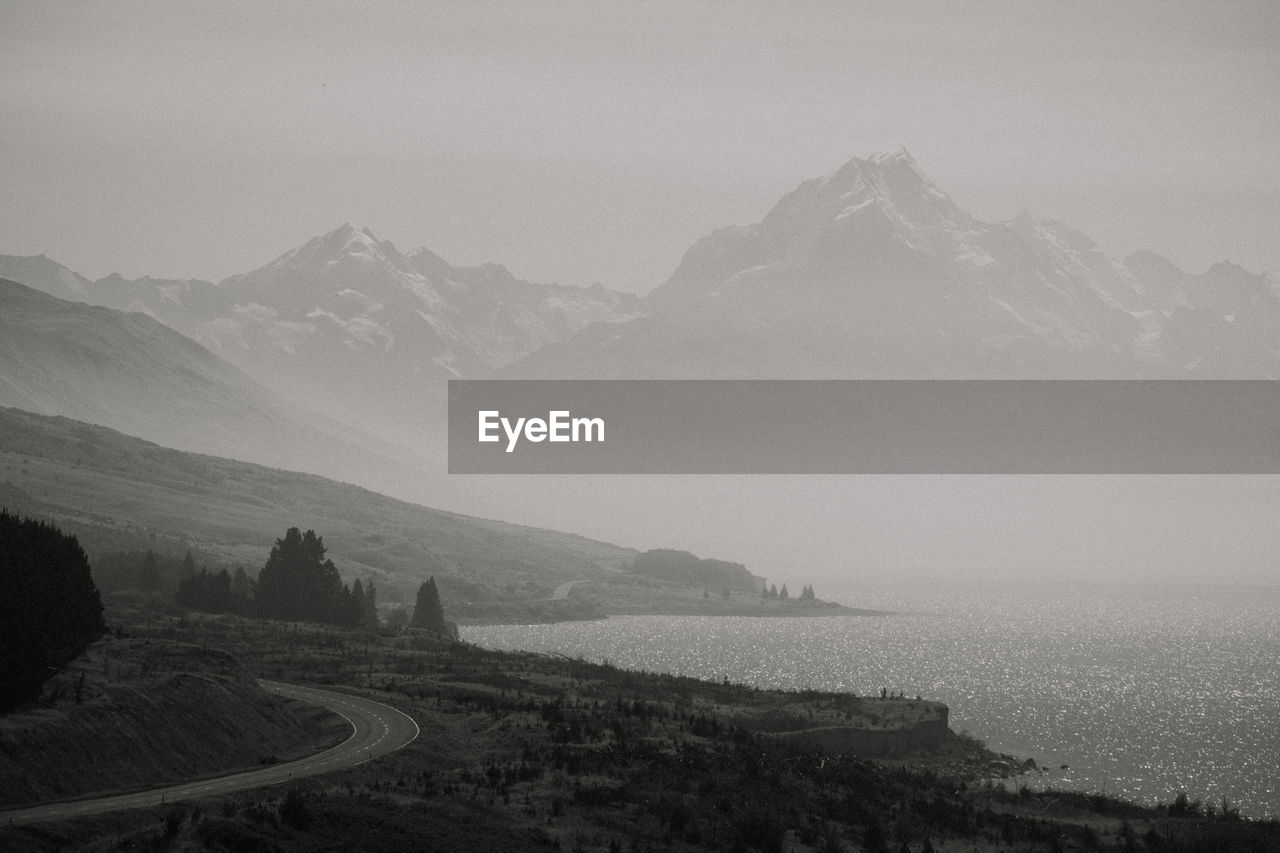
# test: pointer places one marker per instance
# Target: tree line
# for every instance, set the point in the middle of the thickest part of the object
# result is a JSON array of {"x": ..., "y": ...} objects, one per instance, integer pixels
[
  {"x": 772, "y": 592},
  {"x": 297, "y": 583},
  {"x": 50, "y": 610}
]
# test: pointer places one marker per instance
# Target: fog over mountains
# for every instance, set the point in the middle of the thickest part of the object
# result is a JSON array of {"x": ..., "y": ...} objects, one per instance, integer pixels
[
  {"x": 874, "y": 272},
  {"x": 348, "y": 325},
  {"x": 869, "y": 272},
  {"x": 133, "y": 373}
]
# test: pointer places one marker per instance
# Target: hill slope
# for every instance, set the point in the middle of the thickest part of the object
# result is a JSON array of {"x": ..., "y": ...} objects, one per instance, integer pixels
[
  {"x": 123, "y": 716},
  {"x": 132, "y": 373},
  {"x": 119, "y": 492}
]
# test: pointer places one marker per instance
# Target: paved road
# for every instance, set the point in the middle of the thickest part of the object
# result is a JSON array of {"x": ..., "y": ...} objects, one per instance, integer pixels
[{"x": 376, "y": 730}]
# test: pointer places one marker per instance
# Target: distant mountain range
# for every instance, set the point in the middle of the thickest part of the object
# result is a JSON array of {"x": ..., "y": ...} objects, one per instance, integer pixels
[
  {"x": 332, "y": 359},
  {"x": 869, "y": 272},
  {"x": 874, "y": 272},
  {"x": 348, "y": 325}
]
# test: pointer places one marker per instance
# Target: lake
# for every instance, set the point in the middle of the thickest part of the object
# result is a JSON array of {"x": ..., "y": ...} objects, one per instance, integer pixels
[{"x": 1141, "y": 693}]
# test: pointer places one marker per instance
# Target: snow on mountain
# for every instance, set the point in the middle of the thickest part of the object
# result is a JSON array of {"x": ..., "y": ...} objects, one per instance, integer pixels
[
  {"x": 873, "y": 271},
  {"x": 347, "y": 290},
  {"x": 346, "y": 323},
  {"x": 870, "y": 271}
]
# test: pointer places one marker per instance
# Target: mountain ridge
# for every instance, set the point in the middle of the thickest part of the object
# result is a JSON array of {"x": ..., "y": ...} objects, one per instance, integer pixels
[
  {"x": 347, "y": 324},
  {"x": 870, "y": 271},
  {"x": 130, "y": 372},
  {"x": 873, "y": 272}
]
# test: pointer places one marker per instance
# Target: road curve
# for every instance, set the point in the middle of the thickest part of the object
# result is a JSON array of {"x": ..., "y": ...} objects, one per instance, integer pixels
[{"x": 377, "y": 729}]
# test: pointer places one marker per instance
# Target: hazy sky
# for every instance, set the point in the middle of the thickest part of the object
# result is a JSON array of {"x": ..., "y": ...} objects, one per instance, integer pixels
[
  {"x": 578, "y": 142},
  {"x": 582, "y": 142}
]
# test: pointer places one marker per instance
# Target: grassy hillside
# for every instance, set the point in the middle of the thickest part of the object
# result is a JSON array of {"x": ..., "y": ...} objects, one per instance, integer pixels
[
  {"x": 123, "y": 714},
  {"x": 117, "y": 492},
  {"x": 132, "y": 373}
]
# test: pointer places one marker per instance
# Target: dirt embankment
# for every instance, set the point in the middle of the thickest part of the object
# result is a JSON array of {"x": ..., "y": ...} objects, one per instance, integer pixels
[{"x": 132, "y": 714}]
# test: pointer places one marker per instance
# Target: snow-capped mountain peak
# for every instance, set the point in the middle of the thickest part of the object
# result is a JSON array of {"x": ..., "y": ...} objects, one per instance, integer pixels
[
  {"x": 869, "y": 212},
  {"x": 347, "y": 319},
  {"x": 328, "y": 250},
  {"x": 872, "y": 270}
]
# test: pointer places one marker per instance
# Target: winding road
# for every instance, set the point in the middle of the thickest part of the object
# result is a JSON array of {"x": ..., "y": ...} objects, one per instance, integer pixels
[{"x": 377, "y": 729}]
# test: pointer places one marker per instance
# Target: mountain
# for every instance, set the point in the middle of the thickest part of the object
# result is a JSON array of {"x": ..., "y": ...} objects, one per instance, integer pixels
[
  {"x": 132, "y": 373},
  {"x": 874, "y": 272},
  {"x": 348, "y": 324},
  {"x": 47, "y": 276},
  {"x": 1223, "y": 323}
]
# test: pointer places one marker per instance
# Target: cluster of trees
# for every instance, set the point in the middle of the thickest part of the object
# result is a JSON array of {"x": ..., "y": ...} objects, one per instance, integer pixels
[
  {"x": 50, "y": 610},
  {"x": 144, "y": 570},
  {"x": 772, "y": 592},
  {"x": 299, "y": 583},
  {"x": 217, "y": 593}
]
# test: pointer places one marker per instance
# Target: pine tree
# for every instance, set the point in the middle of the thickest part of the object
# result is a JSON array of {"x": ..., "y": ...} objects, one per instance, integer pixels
[
  {"x": 355, "y": 609},
  {"x": 427, "y": 611},
  {"x": 298, "y": 583},
  {"x": 50, "y": 610},
  {"x": 204, "y": 591},
  {"x": 784, "y": 595},
  {"x": 241, "y": 585}
]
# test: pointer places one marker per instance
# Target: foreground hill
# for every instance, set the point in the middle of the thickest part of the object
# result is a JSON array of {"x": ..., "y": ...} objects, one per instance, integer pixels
[{"x": 122, "y": 716}]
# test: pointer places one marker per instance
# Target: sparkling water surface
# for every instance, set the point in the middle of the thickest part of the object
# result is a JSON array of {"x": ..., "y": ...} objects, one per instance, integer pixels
[{"x": 1140, "y": 693}]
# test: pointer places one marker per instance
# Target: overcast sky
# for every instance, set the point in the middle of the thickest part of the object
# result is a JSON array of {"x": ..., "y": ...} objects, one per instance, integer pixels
[{"x": 596, "y": 142}]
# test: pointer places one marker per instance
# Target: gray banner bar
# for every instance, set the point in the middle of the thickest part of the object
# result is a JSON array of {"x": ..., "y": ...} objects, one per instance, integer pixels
[{"x": 863, "y": 427}]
